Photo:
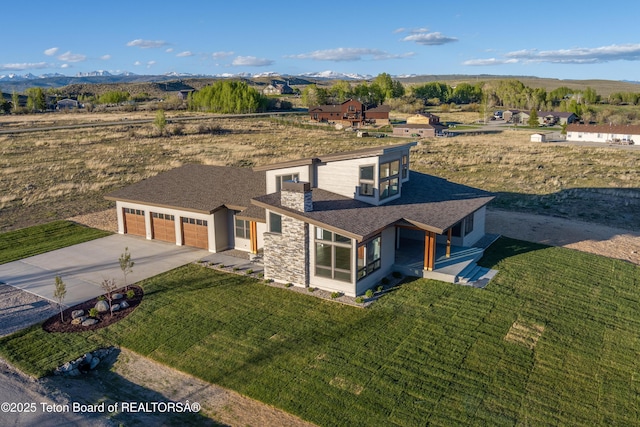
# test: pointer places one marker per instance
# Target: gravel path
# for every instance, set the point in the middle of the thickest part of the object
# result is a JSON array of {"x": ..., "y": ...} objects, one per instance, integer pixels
[{"x": 20, "y": 309}]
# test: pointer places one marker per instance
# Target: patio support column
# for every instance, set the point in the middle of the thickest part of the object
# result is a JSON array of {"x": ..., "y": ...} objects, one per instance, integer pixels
[
  {"x": 448, "y": 254},
  {"x": 253, "y": 235},
  {"x": 429, "y": 250}
]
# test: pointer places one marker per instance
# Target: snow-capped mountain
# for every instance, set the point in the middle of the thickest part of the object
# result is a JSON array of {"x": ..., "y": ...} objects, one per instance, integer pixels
[
  {"x": 97, "y": 73},
  {"x": 335, "y": 75}
]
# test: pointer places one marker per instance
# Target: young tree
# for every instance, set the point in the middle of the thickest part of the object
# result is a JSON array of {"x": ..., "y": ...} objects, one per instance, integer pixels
[
  {"x": 126, "y": 265},
  {"x": 36, "y": 100},
  {"x": 59, "y": 294},
  {"x": 15, "y": 101},
  {"x": 161, "y": 121},
  {"x": 108, "y": 286}
]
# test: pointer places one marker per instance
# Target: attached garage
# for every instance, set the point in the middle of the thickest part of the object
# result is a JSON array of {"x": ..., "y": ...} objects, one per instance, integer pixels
[
  {"x": 134, "y": 222},
  {"x": 195, "y": 232},
  {"x": 163, "y": 227}
]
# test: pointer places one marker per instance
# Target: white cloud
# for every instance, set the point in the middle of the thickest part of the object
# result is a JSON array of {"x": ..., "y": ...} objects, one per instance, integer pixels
[
  {"x": 72, "y": 57},
  {"x": 184, "y": 54},
  {"x": 52, "y": 51},
  {"x": 105, "y": 57},
  {"x": 63, "y": 66},
  {"x": 151, "y": 64},
  {"x": 428, "y": 39},
  {"x": 137, "y": 63},
  {"x": 251, "y": 61},
  {"x": 24, "y": 66},
  {"x": 489, "y": 61},
  {"x": 169, "y": 50},
  {"x": 349, "y": 54},
  {"x": 623, "y": 52},
  {"x": 147, "y": 44},
  {"x": 222, "y": 55}
]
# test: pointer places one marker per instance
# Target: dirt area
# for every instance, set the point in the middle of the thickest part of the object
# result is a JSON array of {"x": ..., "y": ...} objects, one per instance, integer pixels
[{"x": 583, "y": 236}]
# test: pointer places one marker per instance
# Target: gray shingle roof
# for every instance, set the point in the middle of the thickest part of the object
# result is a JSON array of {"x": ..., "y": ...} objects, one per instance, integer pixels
[
  {"x": 196, "y": 188},
  {"x": 428, "y": 202}
]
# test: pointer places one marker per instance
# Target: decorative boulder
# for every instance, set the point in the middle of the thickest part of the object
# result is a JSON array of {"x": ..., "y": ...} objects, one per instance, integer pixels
[
  {"x": 124, "y": 305},
  {"x": 89, "y": 322},
  {"x": 115, "y": 307},
  {"x": 79, "y": 320},
  {"x": 77, "y": 313},
  {"x": 117, "y": 296},
  {"x": 102, "y": 306}
]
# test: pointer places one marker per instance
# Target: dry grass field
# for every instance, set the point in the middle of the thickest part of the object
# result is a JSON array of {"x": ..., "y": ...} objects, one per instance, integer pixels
[{"x": 50, "y": 175}]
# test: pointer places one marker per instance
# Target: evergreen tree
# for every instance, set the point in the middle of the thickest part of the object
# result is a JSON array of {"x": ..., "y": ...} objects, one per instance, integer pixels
[{"x": 533, "y": 118}]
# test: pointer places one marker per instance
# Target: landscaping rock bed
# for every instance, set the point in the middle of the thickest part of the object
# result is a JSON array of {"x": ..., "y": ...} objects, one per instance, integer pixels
[
  {"x": 77, "y": 319},
  {"x": 83, "y": 364}
]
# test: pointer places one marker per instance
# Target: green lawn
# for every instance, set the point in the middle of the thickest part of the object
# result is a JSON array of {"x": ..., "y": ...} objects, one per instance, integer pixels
[
  {"x": 553, "y": 340},
  {"x": 31, "y": 241}
]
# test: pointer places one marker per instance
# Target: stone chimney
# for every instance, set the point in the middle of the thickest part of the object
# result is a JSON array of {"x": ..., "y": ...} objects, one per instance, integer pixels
[{"x": 296, "y": 195}]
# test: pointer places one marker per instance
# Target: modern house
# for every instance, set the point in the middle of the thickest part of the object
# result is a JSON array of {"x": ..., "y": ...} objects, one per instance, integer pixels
[
  {"x": 339, "y": 222},
  {"x": 610, "y": 134},
  {"x": 350, "y": 113}
]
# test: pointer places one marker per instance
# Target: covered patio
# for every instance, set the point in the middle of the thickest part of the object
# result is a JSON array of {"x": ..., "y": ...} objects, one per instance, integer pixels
[{"x": 436, "y": 258}]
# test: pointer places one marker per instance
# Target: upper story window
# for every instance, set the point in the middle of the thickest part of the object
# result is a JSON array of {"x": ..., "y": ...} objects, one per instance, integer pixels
[
  {"x": 367, "y": 181},
  {"x": 389, "y": 179},
  {"x": 284, "y": 178}
]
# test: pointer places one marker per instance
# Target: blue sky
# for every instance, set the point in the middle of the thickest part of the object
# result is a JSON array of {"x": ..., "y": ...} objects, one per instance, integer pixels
[{"x": 580, "y": 40}]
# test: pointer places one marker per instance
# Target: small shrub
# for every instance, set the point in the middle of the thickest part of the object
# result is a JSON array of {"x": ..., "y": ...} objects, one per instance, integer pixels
[
  {"x": 288, "y": 285},
  {"x": 311, "y": 289},
  {"x": 396, "y": 274},
  {"x": 359, "y": 300},
  {"x": 100, "y": 298},
  {"x": 380, "y": 288},
  {"x": 130, "y": 293},
  {"x": 260, "y": 275},
  {"x": 221, "y": 266},
  {"x": 369, "y": 293},
  {"x": 335, "y": 295},
  {"x": 249, "y": 271},
  {"x": 93, "y": 312},
  {"x": 236, "y": 268}
]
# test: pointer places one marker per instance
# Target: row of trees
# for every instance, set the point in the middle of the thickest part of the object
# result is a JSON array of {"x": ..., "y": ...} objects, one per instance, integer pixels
[{"x": 380, "y": 90}]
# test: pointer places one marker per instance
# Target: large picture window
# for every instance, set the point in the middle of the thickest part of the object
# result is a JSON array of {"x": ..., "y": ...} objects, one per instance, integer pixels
[
  {"x": 468, "y": 224},
  {"x": 284, "y": 178},
  {"x": 333, "y": 255},
  {"x": 368, "y": 257},
  {"x": 389, "y": 179}
]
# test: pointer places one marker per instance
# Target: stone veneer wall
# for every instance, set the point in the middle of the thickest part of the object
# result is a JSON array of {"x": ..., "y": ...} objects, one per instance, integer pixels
[
  {"x": 298, "y": 200},
  {"x": 286, "y": 255}
]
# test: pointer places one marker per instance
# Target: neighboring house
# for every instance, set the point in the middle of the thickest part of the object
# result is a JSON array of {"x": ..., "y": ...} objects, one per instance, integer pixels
[
  {"x": 610, "y": 134},
  {"x": 277, "y": 89},
  {"x": 350, "y": 113},
  {"x": 67, "y": 104},
  {"x": 184, "y": 94},
  {"x": 339, "y": 222},
  {"x": 509, "y": 115},
  {"x": 548, "y": 118},
  {"x": 420, "y": 125}
]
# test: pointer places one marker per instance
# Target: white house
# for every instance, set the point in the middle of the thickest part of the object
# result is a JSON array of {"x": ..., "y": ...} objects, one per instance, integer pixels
[{"x": 609, "y": 134}]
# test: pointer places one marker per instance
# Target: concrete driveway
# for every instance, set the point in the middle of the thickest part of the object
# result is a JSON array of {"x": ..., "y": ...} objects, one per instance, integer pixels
[{"x": 84, "y": 266}]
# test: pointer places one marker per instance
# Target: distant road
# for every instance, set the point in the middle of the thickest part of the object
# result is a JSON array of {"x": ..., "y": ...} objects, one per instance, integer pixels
[{"x": 143, "y": 121}]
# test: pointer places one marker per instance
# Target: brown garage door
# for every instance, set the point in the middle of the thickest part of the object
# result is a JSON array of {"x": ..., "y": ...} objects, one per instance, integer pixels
[
  {"x": 163, "y": 227},
  {"x": 134, "y": 222},
  {"x": 195, "y": 233}
]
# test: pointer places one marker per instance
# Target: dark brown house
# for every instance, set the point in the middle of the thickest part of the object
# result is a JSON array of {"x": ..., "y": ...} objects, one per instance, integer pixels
[{"x": 350, "y": 113}]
